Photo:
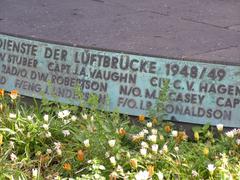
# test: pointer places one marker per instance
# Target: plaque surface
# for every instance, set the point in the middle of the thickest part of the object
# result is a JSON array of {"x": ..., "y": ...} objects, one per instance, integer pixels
[{"x": 199, "y": 92}]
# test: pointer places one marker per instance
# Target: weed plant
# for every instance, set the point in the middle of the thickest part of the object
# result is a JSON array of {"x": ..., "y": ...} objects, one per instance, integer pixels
[{"x": 59, "y": 141}]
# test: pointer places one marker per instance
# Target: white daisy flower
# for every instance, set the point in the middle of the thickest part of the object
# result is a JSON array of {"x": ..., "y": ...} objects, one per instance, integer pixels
[
  {"x": 155, "y": 148},
  {"x": 220, "y": 127},
  {"x": 174, "y": 133},
  {"x": 57, "y": 145},
  {"x": 165, "y": 148},
  {"x": 142, "y": 175},
  {"x": 84, "y": 116},
  {"x": 143, "y": 152},
  {"x": 30, "y": 118},
  {"x": 46, "y": 117},
  {"x": 154, "y": 131},
  {"x": 66, "y": 113},
  {"x": 48, "y": 134},
  {"x": 211, "y": 168},
  {"x": 152, "y": 138},
  {"x": 149, "y": 124},
  {"x": 194, "y": 173},
  {"x": 113, "y": 160},
  {"x": 160, "y": 175},
  {"x": 66, "y": 132},
  {"x": 49, "y": 151},
  {"x": 59, "y": 152},
  {"x": 101, "y": 167},
  {"x": 112, "y": 142},
  {"x": 144, "y": 144},
  {"x": 13, "y": 157},
  {"x": 230, "y": 134},
  {"x": 45, "y": 126},
  {"x": 176, "y": 148},
  {"x": 12, "y": 115},
  {"x": 74, "y": 118},
  {"x": 63, "y": 114},
  {"x": 34, "y": 173},
  {"x": 86, "y": 143}
]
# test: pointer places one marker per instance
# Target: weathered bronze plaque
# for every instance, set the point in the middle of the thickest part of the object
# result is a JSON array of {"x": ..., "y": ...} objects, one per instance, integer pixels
[{"x": 199, "y": 92}]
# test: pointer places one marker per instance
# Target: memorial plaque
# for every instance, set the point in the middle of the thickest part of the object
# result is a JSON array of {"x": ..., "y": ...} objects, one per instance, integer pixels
[{"x": 199, "y": 92}]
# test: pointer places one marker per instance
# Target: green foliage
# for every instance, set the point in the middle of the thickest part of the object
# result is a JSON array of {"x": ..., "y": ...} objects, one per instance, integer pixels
[
  {"x": 53, "y": 140},
  {"x": 158, "y": 110}
]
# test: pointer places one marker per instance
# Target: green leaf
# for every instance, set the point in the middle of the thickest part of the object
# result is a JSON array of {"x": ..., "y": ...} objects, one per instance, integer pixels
[
  {"x": 196, "y": 129},
  {"x": 206, "y": 127}
]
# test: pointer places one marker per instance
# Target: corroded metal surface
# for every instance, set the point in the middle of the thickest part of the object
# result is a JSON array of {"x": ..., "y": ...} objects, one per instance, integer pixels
[{"x": 199, "y": 92}]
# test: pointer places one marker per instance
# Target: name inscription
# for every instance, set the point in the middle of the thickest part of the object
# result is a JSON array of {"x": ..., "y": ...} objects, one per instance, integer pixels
[{"x": 198, "y": 92}]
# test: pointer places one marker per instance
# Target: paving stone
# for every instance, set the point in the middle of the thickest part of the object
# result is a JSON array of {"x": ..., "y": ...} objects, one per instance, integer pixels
[{"x": 174, "y": 28}]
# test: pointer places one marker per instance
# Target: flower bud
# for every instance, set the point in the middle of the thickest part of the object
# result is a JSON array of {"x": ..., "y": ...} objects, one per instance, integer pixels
[
  {"x": 150, "y": 169},
  {"x": 196, "y": 136},
  {"x": 220, "y": 127},
  {"x": 141, "y": 118},
  {"x": 205, "y": 151},
  {"x": 122, "y": 132},
  {"x": 134, "y": 163},
  {"x": 67, "y": 167},
  {"x": 167, "y": 128},
  {"x": 154, "y": 121},
  {"x": 80, "y": 155}
]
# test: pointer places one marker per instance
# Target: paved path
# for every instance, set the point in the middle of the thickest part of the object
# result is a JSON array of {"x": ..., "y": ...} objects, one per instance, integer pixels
[{"x": 205, "y": 29}]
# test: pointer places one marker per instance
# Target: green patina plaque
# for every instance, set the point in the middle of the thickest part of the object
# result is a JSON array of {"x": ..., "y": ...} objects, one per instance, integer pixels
[{"x": 199, "y": 92}]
